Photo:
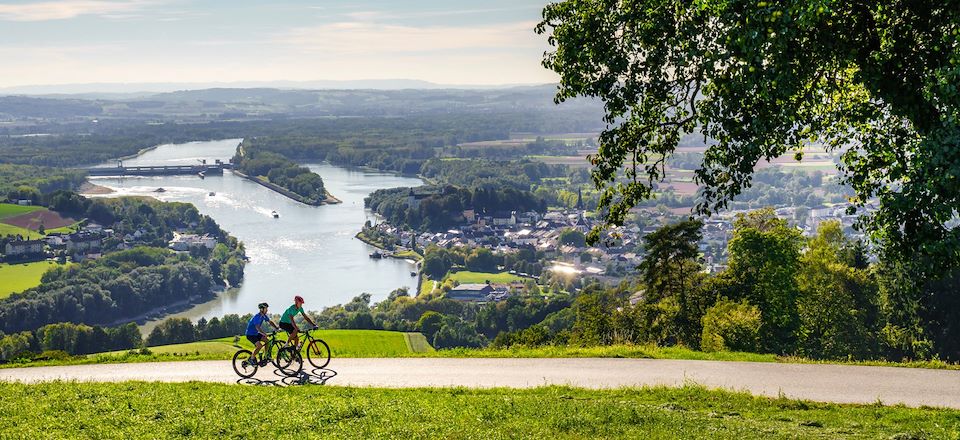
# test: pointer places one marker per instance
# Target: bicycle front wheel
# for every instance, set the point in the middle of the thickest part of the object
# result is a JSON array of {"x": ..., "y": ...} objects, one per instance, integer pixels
[
  {"x": 244, "y": 364},
  {"x": 318, "y": 353},
  {"x": 289, "y": 361},
  {"x": 275, "y": 354}
]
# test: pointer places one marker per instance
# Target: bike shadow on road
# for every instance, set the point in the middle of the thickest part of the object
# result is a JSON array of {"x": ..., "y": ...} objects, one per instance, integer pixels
[{"x": 316, "y": 376}]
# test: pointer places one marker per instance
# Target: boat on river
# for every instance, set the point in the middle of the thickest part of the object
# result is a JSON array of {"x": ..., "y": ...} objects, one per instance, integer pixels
[
  {"x": 376, "y": 255},
  {"x": 160, "y": 190},
  {"x": 274, "y": 214},
  {"x": 212, "y": 194}
]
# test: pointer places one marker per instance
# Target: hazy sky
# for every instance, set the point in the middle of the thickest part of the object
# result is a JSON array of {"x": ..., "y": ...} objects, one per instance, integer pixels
[{"x": 446, "y": 41}]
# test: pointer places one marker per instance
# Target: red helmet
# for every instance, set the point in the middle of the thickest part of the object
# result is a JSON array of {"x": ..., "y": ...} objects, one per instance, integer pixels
[{"x": 298, "y": 299}]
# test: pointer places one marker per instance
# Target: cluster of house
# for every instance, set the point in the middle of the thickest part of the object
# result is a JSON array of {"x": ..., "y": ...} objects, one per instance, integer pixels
[
  {"x": 78, "y": 245},
  {"x": 509, "y": 232},
  {"x": 479, "y": 292},
  {"x": 87, "y": 243},
  {"x": 183, "y": 242}
]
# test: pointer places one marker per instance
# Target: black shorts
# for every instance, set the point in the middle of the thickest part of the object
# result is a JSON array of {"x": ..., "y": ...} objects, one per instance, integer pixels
[
  {"x": 287, "y": 327},
  {"x": 255, "y": 338}
]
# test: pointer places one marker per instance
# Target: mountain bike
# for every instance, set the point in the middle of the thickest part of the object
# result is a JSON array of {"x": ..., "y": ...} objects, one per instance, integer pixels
[
  {"x": 318, "y": 353},
  {"x": 272, "y": 352}
]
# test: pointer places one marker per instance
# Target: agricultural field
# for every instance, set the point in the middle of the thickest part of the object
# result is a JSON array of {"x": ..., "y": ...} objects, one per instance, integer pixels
[
  {"x": 11, "y": 210},
  {"x": 205, "y": 410},
  {"x": 34, "y": 219},
  {"x": 467, "y": 277},
  {"x": 16, "y": 278}
]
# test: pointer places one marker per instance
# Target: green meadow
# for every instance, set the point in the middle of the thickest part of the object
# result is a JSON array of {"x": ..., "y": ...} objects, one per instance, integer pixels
[
  {"x": 138, "y": 410},
  {"x": 16, "y": 278}
]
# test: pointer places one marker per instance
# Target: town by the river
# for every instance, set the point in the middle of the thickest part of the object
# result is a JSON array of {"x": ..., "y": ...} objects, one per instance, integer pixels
[{"x": 309, "y": 250}]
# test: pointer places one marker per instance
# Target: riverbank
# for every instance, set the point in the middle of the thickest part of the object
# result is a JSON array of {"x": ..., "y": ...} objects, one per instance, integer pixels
[
  {"x": 329, "y": 200},
  {"x": 92, "y": 189},
  {"x": 402, "y": 254}
]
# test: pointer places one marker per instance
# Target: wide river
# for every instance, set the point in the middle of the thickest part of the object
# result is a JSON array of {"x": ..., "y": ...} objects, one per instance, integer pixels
[{"x": 309, "y": 251}]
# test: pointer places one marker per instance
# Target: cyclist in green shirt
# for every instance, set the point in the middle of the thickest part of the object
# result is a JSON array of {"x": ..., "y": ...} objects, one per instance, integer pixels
[{"x": 287, "y": 322}]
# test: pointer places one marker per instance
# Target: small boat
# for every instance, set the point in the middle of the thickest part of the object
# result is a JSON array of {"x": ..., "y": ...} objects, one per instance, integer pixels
[
  {"x": 212, "y": 194},
  {"x": 159, "y": 190},
  {"x": 413, "y": 274},
  {"x": 376, "y": 255},
  {"x": 201, "y": 174},
  {"x": 274, "y": 214}
]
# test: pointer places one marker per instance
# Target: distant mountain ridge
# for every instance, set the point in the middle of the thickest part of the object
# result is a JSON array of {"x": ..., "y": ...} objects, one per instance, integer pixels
[{"x": 134, "y": 90}]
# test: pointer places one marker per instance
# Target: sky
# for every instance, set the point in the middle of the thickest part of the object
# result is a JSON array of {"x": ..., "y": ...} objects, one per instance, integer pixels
[{"x": 457, "y": 42}]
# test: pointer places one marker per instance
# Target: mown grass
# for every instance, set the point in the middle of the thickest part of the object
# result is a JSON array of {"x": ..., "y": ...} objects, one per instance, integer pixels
[
  {"x": 343, "y": 343},
  {"x": 11, "y": 210},
  {"x": 16, "y": 278},
  {"x": 201, "y": 410},
  {"x": 6, "y": 229},
  {"x": 416, "y": 345},
  {"x": 468, "y": 277}
]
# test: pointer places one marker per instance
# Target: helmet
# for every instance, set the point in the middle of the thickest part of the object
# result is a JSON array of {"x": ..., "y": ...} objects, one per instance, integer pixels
[
  {"x": 263, "y": 305},
  {"x": 298, "y": 299}
]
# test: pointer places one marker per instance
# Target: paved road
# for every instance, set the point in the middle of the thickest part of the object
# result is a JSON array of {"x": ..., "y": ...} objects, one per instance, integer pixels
[{"x": 828, "y": 383}]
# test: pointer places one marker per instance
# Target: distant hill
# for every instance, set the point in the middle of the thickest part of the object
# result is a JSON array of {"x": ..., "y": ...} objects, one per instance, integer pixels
[{"x": 133, "y": 90}]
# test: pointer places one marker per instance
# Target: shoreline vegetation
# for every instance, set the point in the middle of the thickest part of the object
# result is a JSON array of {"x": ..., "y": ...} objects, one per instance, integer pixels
[
  {"x": 404, "y": 254},
  {"x": 329, "y": 200},
  {"x": 278, "y": 173}
]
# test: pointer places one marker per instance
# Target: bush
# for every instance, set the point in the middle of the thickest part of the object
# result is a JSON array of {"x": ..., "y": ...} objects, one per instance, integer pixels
[
  {"x": 52, "y": 355},
  {"x": 732, "y": 326}
]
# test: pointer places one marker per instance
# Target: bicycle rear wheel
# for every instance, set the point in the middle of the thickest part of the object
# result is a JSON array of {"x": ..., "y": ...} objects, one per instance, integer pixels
[
  {"x": 244, "y": 364},
  {"x": 289, "y": 361},
  {"x": 318, "y": 353}
]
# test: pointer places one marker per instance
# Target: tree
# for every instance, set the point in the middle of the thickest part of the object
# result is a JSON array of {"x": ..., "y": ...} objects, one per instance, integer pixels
[
  {"x": 765, "y": 78},
  {"x": 429, "y": 324},
  {"x": 762, "y": 268},
  {"x": 671, "y": 269},
  {"x": 838, "y": 303},
  {"x": 481, "y": 260},
  {"x": 572, "y": 237}
]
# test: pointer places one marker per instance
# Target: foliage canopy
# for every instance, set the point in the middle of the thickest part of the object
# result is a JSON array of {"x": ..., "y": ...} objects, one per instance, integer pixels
[{"x": 877, "y": 81}]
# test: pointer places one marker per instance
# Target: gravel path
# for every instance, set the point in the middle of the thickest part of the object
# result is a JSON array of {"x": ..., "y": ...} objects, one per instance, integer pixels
[{"x": 828, "y": 383}]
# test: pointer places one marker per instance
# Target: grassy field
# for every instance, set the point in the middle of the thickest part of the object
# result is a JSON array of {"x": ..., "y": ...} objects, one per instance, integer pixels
[
  {"x": 20, "y": 277},
  {"x": 343, "y": 343},
  {"x": 11, "y": 210},
  {"x": 157, "y": 410},
  {"x": 467, "y": 277},
  {"x": 6, "y": 229}
]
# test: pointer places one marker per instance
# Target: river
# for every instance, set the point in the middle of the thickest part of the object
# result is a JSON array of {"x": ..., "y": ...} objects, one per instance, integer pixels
[{"x": 309, "y": 251}]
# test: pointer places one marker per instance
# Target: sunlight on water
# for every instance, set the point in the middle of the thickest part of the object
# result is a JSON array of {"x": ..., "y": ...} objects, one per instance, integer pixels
[{"x": 309, "y": 250}]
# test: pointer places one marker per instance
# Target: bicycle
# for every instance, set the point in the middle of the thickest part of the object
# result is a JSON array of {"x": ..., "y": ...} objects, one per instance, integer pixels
[
  {"x": 246, "y": 367},
  {"x": 318, "y": 353}
]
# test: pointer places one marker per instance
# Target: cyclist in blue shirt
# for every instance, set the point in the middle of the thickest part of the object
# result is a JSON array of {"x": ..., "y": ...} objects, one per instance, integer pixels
[{"x": 255, "y": 333}]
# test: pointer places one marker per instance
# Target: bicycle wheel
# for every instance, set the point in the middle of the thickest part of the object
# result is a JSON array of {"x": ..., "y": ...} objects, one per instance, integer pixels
[
  {"x": 291, "y": 364},
  {"x": 318, "y": 353},
  {"x": 244, "y": 364}
]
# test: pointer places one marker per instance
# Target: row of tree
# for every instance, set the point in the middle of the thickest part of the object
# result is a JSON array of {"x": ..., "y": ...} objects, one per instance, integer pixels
[
  {"x": 441, "y": 208},
  {"x": 69, "y": 338}
]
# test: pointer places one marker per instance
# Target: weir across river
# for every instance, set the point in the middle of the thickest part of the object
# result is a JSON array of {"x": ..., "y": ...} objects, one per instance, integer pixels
[{"x": 166, "y": 170}]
